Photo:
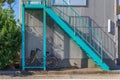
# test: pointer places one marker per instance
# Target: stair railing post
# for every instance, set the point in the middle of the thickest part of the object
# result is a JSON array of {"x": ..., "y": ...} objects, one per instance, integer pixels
[
  {"x": 74, "y": 23},
  {"x": 44, "y": 37},
  {"x": 101, "y": 51},
  {"x": 23, "y": 38}
]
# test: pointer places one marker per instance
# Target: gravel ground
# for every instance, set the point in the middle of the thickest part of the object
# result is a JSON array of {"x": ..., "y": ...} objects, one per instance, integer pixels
[{"x": 86, "y": 73}]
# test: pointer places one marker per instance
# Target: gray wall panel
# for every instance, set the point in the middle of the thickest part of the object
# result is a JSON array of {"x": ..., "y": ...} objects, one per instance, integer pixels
[{"x": 96, "y": 14}]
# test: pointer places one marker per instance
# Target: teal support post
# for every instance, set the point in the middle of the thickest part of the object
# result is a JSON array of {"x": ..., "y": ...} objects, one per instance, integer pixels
[
  {"x": 23, "y": 37},
  {"x": 44, "y": 37}
]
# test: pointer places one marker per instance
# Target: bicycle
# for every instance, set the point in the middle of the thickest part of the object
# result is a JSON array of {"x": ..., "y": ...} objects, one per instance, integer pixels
[{"x": 51, "y": 60}]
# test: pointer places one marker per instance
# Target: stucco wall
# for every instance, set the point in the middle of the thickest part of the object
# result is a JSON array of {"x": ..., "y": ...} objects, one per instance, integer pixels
[
  {"x": 58, "y": 42},
  {"x": 97, "y": 13}
]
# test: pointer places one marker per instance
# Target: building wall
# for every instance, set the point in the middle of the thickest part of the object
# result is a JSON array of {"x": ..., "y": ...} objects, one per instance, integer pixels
[
  {"x": 69, "y": 54},
  {"x": 98, "y": 12},
  {"x": 58, "y": 43}
]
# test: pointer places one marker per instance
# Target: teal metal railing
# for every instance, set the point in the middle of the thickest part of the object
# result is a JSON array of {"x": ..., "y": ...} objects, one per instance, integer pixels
[
  {"x": 76, "y": 22},
  {"x": 80, "y": 25}
]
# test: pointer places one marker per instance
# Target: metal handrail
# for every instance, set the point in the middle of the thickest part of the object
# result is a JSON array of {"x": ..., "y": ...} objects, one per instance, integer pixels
[
  {"x": 70, "y": 11},
  {"x": 66, "y": 17}
]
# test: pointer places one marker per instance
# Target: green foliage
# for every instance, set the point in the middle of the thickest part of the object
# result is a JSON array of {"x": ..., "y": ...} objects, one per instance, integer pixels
[
  {"x": 8, "y": 1},
  {"x": 10, "y": 37},
  {"x": 2, "y": 1}
]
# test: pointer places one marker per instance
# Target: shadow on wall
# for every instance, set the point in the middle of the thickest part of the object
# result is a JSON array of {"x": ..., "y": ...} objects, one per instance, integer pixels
[
  {"x": 108, "y": 46},
  {"x": 118, "y": 60},
  {"x": 63, "y": 49},
  {"x": 58, "y": 43},
  {"x": 33, "y": 35},
  {"x": 109, "y": 49},
  {"x": 88, "y": 33},
  {"x": 91, "y": 37},
  {"x": 60, "y": 48},
  {"x": 108, "y": 38}
]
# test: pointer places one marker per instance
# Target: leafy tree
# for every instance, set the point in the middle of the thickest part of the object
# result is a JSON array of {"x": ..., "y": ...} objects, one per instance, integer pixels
[
  {"x": 10, "y": 36},
  {"x": 8, "y": 1}
]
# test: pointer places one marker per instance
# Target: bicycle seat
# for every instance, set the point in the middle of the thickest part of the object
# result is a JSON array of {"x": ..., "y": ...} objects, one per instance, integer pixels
[
  {"x": 33, "y": 53},
  {"x": 37, "y": 49}
]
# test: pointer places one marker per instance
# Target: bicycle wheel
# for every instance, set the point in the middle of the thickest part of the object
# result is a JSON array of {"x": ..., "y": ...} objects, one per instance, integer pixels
[{"x": 52, "y": 62}]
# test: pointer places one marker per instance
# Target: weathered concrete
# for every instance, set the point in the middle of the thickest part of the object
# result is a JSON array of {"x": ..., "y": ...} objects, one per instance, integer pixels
[{"x": 85, "y": 73}]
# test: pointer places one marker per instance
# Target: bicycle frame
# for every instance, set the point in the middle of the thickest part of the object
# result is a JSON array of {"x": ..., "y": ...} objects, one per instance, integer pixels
[{"x": 51, "y": 63}]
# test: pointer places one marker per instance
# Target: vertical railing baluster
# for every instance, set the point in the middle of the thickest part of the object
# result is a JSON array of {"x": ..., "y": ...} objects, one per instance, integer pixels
[
  {"x": 79, "y": 29},
  {"x": 84, "y": 29},
  {"x": 86, "y": 32},
  {"x": 67, "y": 14},
  {"x": 74, "y": 23},
  {"x": 90, "y": 35},
  {"x": 101, "y": 51}
]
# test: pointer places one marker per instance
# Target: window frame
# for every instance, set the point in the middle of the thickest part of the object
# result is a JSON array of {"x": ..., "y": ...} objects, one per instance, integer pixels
[{"x": 84, "y": 5}]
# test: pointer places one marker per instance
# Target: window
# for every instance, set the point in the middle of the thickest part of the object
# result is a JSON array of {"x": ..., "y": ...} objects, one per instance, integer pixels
[
  {"x": 61, "y": 2},
  {"x": 78, "y": 2},
  {"x": 70, "y": 2}
]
